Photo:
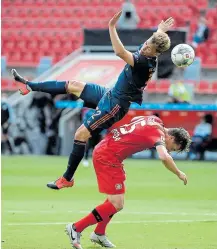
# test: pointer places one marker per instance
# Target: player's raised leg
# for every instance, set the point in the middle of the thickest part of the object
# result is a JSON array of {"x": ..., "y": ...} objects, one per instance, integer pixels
[
  {"x": 53, "y": 86},
  {"x": 90, "y": 93}
]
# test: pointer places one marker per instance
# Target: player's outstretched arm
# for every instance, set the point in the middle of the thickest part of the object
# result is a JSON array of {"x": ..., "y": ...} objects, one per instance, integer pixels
[
  {"x": 169, "y": 163},
  {"x": 165, "y": 26},
  {"x": 117, "y": 45}
]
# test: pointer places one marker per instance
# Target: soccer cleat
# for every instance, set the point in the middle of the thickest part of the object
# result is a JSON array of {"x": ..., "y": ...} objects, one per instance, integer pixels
[
  {"x": 102, "y": 240},
  {"x": 21, "y": 83},
  {"x": 73, "y": 236},
  {"x": 60, "y": 183}
]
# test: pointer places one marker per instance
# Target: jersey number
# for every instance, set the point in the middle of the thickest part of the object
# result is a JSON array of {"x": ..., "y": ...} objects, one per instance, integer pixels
[{"x": 128, "y": 128}]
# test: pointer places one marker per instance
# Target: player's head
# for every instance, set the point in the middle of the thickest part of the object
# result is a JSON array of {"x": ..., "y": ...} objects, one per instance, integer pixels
[
  {"x": 178, "y": 139},
  {"x": 156, "y": 45}
]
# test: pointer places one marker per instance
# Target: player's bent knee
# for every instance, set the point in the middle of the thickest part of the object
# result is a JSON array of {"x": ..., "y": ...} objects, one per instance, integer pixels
[
  {"x": 119, "y": 208},
  {"x": 82, "y": 134},
  {"x": 117, "y": 202},
  {"x": 118, "y": 205},
  {"x": 75, "y": 87}
]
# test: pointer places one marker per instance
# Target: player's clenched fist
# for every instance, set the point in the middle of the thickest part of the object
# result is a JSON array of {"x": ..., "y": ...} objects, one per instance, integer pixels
[
  {"x": 182, "y": 176},
  {"x": 114, "y": 19}
]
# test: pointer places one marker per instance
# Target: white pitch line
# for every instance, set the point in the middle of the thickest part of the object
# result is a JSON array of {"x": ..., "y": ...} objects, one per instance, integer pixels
[
  {"x": 122, "y": 213},
  {"x": 163, "y": 213},
  {"x": 114, "y": 222}
]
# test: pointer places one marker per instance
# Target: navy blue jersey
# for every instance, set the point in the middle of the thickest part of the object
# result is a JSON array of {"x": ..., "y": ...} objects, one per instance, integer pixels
[{"x": 133, "y": 80}]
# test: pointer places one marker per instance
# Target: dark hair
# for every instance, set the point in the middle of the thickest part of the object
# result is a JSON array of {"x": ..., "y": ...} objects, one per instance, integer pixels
[
  {"x": 208, "y": 118},
  {"x": 181, "y": 137},
  {"x": 156, "y": 114}
]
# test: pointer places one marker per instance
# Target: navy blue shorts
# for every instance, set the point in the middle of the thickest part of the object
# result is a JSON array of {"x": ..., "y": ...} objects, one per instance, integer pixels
[{"x": 109, "y": 109}]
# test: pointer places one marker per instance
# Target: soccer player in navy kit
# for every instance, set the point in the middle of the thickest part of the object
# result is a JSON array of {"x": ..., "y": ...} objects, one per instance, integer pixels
[{"x": 111, "y": 104}]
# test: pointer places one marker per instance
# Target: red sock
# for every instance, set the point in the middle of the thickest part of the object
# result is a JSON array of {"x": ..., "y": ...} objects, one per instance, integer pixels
[
  {"x": 101, "y": 226},
  {"x": 99, "y": 214}
]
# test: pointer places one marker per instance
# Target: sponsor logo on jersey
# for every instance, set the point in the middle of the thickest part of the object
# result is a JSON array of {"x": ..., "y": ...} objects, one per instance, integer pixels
[{"x": 118, "y": 186}]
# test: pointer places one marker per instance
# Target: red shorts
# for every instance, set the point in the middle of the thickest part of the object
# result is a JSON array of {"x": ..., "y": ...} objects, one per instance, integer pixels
[{"x": 110, "y": 179}]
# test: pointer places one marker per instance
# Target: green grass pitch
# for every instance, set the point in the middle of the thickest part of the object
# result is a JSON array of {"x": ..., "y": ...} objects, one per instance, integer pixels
[{"x": 160, "y": 212}]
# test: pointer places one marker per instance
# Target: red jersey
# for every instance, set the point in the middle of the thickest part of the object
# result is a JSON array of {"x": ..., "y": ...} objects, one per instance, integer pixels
[{"x": 144, "y": 132}]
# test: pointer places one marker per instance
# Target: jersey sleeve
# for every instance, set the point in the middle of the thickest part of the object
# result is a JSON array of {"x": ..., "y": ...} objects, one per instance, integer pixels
[
  {"x": 153, "y": 138},
  {"x": 159, "y": 139}
]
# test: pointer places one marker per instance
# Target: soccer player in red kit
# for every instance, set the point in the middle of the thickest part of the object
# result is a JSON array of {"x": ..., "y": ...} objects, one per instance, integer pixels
[{"x": 144, "y": 132}]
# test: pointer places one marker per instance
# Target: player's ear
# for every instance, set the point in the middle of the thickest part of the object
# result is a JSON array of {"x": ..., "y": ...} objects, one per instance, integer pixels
[
  {"x": 172, "y": 139},
  {"x": 169, "y": 137}
]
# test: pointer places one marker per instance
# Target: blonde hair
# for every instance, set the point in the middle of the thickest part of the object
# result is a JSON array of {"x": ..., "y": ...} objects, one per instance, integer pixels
[{"x": 161, "y": 41}]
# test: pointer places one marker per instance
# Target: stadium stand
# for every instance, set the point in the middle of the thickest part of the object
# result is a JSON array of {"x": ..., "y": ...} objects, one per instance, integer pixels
[
  {"x": 31, "y": 26},
  {"x": 157, "y": 87}
]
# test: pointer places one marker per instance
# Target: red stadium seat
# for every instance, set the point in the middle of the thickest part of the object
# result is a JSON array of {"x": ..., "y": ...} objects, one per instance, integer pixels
[
  {"x": 151, "y": 87},
  {"x": 8, "y": 85},
  {"x": 78, "y": 12},
  {"x": 202, "y": 4},
  {"x": 9, "y": 45},
  {"x": 21, "y": 45},
  {"x": 154, "y": 2},
  {"x": 177, "y": 2},
  {"x": 15, "y": 57},
  {"x": 163, "y": 86},
  {"x": 27, "y": 20},
  {"x": 203, "y": 87},
  {"x": 51, "y": 3},
  {"x": 213, "y": 49},
  {"x": 27, "y": 57},
  {"x": 56, "y": 45},
  {"x": 33, "y": 46},
  {"x": 210, "y": 61},
  {"x": 68, "y": 12},
  {"x": 214, "y": 87},
  {"x": 41, "y": 3},
  {"x": 90, "y": 12},
  {"x": 34, "y": 12},
  {"x": 212, "y": 14},
  {"x": 45, "y": 12},
  {"x": 22, "y": 12},
  {"x": 44, "y": 45},
  {"x": 4, "y": 84}
]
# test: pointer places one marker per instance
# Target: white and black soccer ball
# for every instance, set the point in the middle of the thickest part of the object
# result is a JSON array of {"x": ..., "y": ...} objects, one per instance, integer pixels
[{"x": 182, "y": 55}]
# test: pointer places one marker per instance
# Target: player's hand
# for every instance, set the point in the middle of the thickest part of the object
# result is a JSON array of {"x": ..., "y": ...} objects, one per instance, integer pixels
[
  {"x": 114, "y": 19},
  {"x": 164, "y": 26},
  {"x": 182, "y": 176}
]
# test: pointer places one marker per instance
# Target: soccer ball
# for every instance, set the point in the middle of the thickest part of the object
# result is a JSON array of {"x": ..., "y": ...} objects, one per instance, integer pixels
[{"x": 182, "y": 55}]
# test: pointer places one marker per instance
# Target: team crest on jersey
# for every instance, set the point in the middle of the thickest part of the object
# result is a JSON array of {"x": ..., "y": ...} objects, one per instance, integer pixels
[{"x": 118, "y": 186}]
